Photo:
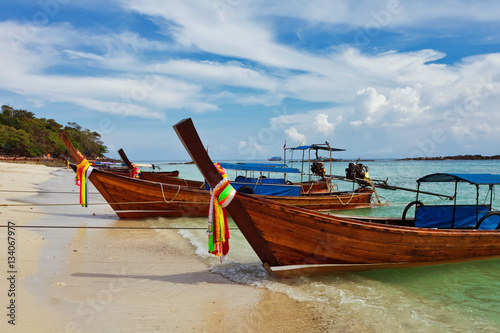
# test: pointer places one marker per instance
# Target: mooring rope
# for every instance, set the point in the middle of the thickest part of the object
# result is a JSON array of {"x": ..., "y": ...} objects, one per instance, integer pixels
[
  {"x": 348, "y": 202},
  {"x": 44, "y": 192},
  {"x": 155, "y": 202},
  {"x": 163, "y": 193},
  {"x": 90, "y": 227},
  {"x": 102, "y": 203}
]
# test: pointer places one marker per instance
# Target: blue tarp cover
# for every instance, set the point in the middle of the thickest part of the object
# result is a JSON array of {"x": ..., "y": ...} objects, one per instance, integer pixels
[
  {"x": 267, "y": 189},
  {"x": 241, "y": 179},
  {"x": 490, "y": 223},
  {"x": 442, "y": 216},
  {"x": 281, "y": 168},
  {"x": 473, "y": 178},
  {"x": 270, "y": 189}
]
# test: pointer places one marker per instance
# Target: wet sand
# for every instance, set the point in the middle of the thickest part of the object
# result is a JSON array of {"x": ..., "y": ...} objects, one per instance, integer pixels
[{"x": 81, "y": 279}]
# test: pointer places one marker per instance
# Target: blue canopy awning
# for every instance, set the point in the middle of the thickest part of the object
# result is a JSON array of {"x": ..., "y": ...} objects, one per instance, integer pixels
[
  {"x": 473, "y": 178},
  {"x": 260, "y": 167},
  {"x": 320, "y": 147}
]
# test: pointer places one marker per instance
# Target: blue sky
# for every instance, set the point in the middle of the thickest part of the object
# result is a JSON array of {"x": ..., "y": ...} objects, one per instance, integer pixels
[{"x": 379, "y": 78}]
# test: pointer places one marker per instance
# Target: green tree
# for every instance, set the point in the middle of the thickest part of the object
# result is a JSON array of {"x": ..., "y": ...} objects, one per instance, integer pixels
[
  {"x": 23, "y": 134},
  {"x": 16, "y": 142},
  {"x": 87, "y": 142}
]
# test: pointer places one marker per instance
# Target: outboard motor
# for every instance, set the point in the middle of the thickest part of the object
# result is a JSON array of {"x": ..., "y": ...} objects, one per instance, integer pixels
[
  {"x": 318, "y": 169},
  {"x": 355, "y": 171},
  {"x": 350, "y": 170}
]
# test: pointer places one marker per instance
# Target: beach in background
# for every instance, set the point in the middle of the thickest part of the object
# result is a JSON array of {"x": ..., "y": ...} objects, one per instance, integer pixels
[{"x": 78, "y": 279}]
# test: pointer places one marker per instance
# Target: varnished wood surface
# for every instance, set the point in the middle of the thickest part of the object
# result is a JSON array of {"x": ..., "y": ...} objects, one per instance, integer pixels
[
  {"x": 151, "y": 176},
  {"x": 189, "y": 137},
  {"x": 305, "y": 237},
  {"x": 125, "y": 159},
  {"x": 135, "y": 198},
  {"x": 326, "y": 201},
  {"x": 286, "y": 236},
  {"x": 138, "y": 200},
  {"x": 163, "y": 176}
]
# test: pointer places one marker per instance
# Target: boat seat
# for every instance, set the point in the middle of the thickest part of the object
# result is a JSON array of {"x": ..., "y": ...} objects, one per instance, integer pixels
[{"x": 442, "y": 216}]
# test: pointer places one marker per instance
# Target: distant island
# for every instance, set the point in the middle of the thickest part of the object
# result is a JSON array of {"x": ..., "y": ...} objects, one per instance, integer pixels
[
  {"x": 177, "y": 163},
  {"x": 457, "y": 157}
]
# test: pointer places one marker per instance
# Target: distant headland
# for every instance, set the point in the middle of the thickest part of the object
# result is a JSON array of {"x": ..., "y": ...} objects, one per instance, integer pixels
[
  {"x": 457, "y": 157},
  {"x": 26, "y": 138}
]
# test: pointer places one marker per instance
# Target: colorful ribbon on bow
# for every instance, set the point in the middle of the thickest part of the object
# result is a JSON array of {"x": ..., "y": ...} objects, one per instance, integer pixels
[
  {"x": 218, "y": 231},
  {"x": 136, "y": 172},
  {"x": 83, "y": 171}
]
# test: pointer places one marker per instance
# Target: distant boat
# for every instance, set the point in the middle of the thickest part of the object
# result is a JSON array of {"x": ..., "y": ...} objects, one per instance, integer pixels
[
  {"x": 155, "y": 176},
  {"x": 274, "y": 158}
]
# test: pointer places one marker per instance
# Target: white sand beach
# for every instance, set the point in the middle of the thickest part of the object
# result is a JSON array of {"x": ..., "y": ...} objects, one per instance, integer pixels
[{"x": 80, "y": 279}]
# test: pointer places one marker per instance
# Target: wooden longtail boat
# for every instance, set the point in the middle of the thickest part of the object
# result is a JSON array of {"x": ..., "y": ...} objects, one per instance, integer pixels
[
  {"x": 173, "y": 197},
  {"x": 156, "y": 176},
  {"x": 315, "y": 195},
  {"x": 293, "y": 241},
  {"x": 133, "y": 198}
]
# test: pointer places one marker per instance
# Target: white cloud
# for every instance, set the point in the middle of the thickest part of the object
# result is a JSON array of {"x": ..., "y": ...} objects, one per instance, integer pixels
[
  {"x": 213, "y": 56},
  {"x": 370, "y": 105},
  {"x": 461, "y": 131},
  {"x": 250, "y": 149},
  {"x": 294, "y": 135},
  {"x": 126, "y": 87},
  {"x": 331, "y": 77},
  {"x": 237, "y": 32},
  {"x": 401, "y": 107},
  {"x": 382, "y": 14},
  {"x": 322, "y": 125},
  {"x": 232, "y": 73},
  {"x": 82, "y": 55},
  {"x": 485, "y": 128},
  {"x": 406, "y": 103}
]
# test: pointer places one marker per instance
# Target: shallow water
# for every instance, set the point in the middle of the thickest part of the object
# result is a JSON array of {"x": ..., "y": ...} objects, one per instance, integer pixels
[{"x": 447, "y": 298}]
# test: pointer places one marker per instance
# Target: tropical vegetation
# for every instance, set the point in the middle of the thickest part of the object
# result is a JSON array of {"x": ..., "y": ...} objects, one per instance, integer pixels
[{"x": 22, "y": 134}]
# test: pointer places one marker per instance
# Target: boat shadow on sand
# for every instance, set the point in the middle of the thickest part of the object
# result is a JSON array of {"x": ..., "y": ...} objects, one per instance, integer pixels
[{"x": 181, "y": 278}]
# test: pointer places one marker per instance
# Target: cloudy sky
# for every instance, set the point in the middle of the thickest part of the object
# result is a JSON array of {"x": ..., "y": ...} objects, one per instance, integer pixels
[{"x": 379, "y": 78}]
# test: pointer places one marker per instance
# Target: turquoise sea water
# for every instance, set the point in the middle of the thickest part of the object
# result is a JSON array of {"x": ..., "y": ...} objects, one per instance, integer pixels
[{"x": 448, "y": 298}]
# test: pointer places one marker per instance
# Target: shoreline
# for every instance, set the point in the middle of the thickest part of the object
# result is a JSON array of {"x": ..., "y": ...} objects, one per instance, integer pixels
[
  {"x": 454, "y": 158},
  {"x": 87, "y": 280},
  {"x": 27, "y": 246}
]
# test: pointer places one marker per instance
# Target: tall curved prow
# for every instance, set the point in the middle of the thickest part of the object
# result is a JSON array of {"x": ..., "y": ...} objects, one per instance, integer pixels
[
  {"x": 189, "y": 137},
  {"x": 69, "y": 146},
  {"x": 125, "y": 159}
]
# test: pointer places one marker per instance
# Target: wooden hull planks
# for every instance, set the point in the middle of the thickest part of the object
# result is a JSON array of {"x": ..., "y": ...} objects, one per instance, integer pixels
[
  {"x": 132, "y": 198},
  {"x": 294, "y": 241}
]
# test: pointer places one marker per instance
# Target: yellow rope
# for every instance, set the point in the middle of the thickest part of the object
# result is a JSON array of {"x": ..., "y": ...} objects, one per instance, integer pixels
[
  {"x": 348, "y": 202},
  {"x": 310, "y": 187}
]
